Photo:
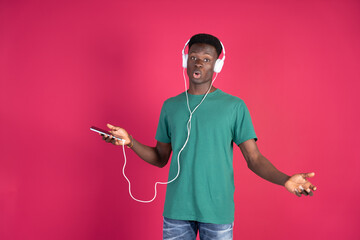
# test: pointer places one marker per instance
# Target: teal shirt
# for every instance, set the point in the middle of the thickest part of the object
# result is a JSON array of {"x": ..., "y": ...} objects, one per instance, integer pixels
[{"x": 204, "y": 189}]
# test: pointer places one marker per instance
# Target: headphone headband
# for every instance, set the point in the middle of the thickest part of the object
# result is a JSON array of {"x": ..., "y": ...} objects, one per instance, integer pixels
[{"x": 218, "y": 64}]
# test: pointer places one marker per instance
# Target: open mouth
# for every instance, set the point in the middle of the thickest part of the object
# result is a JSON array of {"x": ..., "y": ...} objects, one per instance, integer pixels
[{"x": 197, "y": 74}]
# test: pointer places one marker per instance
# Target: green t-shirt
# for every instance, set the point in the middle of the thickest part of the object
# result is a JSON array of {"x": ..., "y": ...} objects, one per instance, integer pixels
[{"x": 204, "y": 189}]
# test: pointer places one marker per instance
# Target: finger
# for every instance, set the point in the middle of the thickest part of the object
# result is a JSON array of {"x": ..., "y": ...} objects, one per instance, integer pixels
[
  {"x": 118, "y": 142},
  {"x": 112, "y": 127},
  {"x": 303, "y": 191},
  {"x": 297, "y": 193},
  {"x": 105, "y": 136},
  {"x": 308, "y": 186},
  {"x": 108, "y": 139},
  {"x": 308, "y": 175},
  {"x": 113, "y": 140},
  {"x": 308, "y": 191}
]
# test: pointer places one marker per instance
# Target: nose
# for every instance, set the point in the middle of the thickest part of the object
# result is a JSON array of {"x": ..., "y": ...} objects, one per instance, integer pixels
[{"x": 198, "y": 63}]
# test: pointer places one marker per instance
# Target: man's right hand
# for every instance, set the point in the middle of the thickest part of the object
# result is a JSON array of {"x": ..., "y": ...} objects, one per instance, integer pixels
[{"x": 119, "y": 133}]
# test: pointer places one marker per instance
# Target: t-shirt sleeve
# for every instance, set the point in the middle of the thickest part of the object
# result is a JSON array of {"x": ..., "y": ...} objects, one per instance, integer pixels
[
  {"x": 243, "y": 128},
  {"x": 163, "y": 130}
]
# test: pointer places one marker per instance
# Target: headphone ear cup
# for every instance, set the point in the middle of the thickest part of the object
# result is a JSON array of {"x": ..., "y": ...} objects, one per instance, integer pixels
[
  {"x": 218, "y": 65},
  {"x": 185, "y": 58}
]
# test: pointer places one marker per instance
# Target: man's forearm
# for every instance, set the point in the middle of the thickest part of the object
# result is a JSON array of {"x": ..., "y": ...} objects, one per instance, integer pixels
[
  {"x": 265, "y": 169},
  {"x": 148, "y": 154}
]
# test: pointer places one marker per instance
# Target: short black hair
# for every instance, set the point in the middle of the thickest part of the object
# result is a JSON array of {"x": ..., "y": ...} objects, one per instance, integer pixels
[{"x": 207, "y": 39}]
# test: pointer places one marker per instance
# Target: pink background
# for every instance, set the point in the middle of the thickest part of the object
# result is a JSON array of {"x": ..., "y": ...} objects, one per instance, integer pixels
[{"x": 67, "y": 65}]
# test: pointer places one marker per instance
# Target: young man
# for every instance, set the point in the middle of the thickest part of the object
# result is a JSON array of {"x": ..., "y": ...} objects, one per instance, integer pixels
[{"x": 202, "y": 197}]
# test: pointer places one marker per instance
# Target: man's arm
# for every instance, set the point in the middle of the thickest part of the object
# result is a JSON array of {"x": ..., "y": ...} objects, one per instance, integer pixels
[
  {"x": 157, "y": 156},
  {"x": 296, "y": 184},
  {"x": 260, "y": 165}
]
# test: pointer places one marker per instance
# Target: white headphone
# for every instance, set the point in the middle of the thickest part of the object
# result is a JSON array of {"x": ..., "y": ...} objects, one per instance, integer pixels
[{"x": 218, "y": 64}]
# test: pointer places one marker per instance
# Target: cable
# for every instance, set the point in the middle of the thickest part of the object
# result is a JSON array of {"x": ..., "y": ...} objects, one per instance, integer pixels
[{"x": 188, "y": 126}]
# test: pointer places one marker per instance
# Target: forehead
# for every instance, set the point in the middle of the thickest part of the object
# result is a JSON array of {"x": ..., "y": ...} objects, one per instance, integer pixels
[{"x": 203, "y": 48}]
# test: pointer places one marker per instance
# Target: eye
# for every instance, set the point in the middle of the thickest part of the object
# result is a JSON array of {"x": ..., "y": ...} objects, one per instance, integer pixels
[
  {"x": 206, "y": 60},
  {"x": 193, "y": 58}
]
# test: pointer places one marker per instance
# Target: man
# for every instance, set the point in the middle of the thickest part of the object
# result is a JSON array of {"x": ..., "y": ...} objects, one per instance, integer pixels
[{"x": 201, "y": 198}]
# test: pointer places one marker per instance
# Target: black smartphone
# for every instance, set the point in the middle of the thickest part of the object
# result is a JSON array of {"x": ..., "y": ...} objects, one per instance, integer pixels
[{"x": 102, "y": 131}]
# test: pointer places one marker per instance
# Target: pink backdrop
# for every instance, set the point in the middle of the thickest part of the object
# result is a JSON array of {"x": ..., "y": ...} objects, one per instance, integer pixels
[{"x": 67, "y": 65}]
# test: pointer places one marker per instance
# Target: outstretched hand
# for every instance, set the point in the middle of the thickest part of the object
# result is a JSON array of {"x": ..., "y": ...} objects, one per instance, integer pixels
[
  {"x": 117, "y": 132},
  {"x": 298, "y": 184}
]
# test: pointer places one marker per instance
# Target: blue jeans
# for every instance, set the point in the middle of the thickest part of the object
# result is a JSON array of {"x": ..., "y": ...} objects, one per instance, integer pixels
[{"x": 187, "y": 230}]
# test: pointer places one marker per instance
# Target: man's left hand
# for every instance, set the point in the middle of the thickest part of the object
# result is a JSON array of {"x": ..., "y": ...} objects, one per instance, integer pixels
[{"x": 298, "y": 184}]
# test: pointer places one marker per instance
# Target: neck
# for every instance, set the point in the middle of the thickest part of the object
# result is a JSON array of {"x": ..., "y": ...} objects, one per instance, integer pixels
[{"x": 200, "y": 90}]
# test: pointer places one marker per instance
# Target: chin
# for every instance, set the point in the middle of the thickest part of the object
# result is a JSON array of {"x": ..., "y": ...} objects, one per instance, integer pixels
[
  {"x": 197, "y": 81},
  {"x": 202, "y": 80}
]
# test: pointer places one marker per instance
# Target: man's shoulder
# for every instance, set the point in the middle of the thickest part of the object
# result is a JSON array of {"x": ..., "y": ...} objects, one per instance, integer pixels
[
  {"x": 175, "y": 100},
  {"x": 230, "y": 98}
]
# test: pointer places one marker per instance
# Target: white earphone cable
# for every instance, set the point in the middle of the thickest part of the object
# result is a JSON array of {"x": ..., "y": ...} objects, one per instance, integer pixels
[{"x": 188, "y": 126}]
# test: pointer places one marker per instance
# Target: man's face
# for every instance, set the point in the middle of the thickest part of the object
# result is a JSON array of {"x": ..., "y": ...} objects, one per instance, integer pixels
[{"x": 200, "y": 64}]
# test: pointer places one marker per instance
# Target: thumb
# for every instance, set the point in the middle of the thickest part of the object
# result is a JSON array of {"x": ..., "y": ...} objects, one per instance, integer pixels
[
  {"x": 111, "y": 127},
  {"x": 308, "y": 175}
]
